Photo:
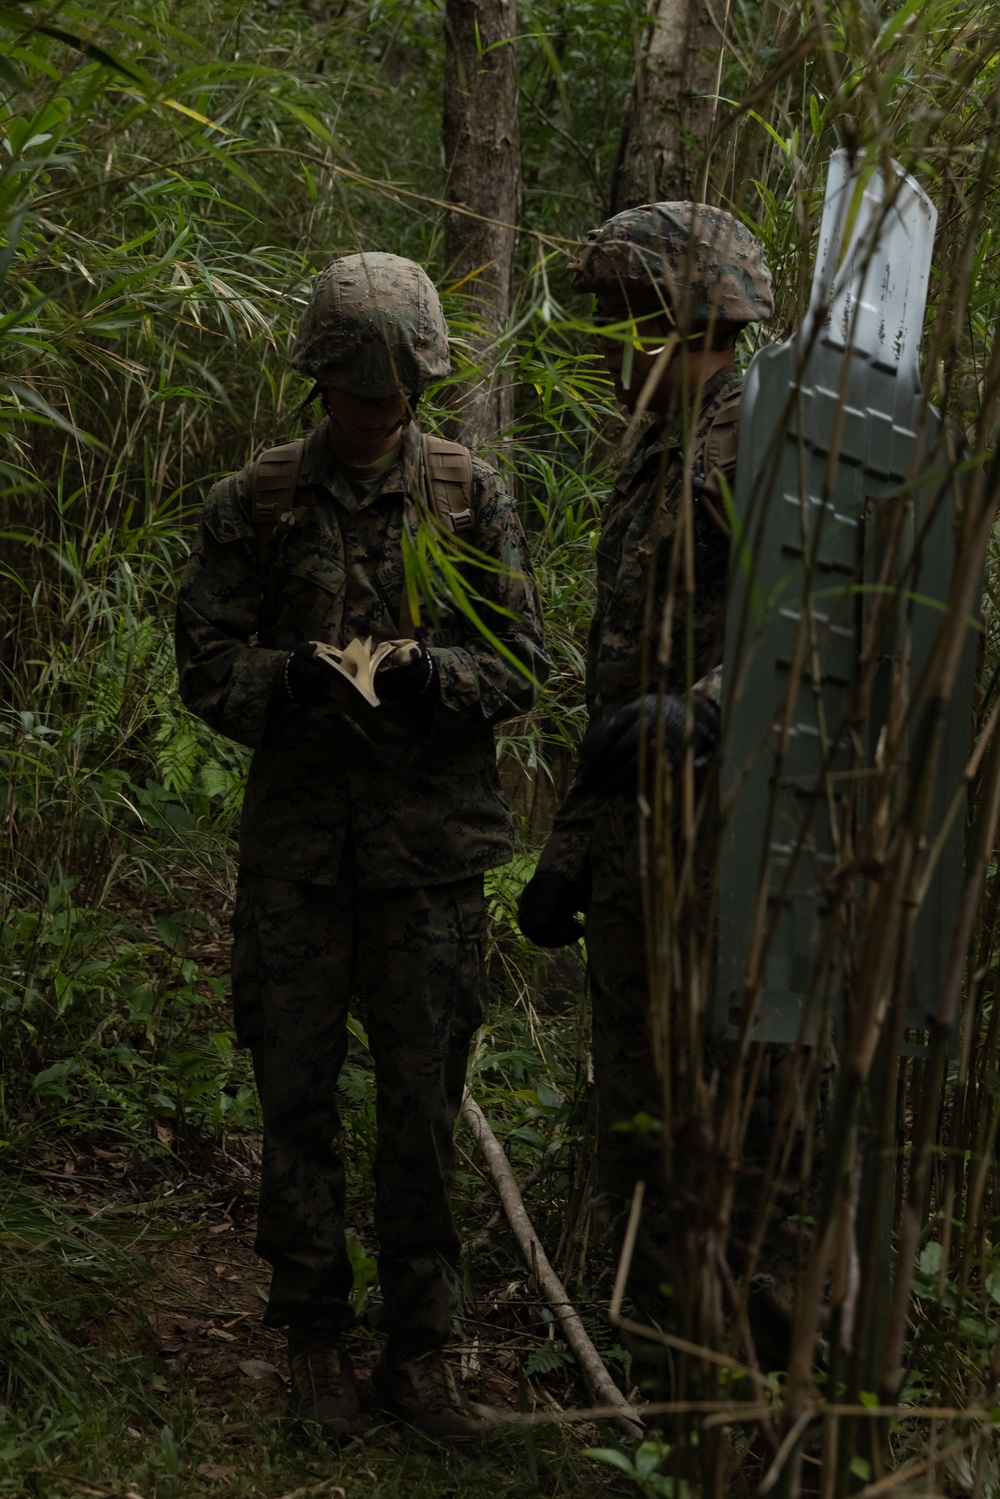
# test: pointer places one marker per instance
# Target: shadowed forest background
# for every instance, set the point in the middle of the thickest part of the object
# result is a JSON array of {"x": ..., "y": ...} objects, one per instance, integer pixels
[{"x": 171, "y": 177}]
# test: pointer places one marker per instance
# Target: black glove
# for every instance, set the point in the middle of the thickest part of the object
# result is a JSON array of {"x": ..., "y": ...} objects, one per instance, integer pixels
[
  {"x": 305, "y": 679},
  {"x": 609, "y": 754},
  {"x": 546, "y": 911},
  {"x": 408, "y": 686}
]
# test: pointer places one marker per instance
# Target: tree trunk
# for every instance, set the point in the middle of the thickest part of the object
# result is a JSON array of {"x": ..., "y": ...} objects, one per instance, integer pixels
[
  {"x": 669, "y": 116},
  {"x": 482, "y": 151}
]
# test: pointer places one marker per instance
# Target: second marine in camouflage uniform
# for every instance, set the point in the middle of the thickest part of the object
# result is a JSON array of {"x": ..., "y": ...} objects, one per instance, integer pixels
[
  {"x": 668, "y": 275},
  {"x": 361, "y": 863}
]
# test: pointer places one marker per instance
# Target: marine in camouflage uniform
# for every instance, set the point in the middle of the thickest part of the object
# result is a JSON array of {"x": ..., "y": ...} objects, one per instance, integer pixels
[
  {"x": 361, "y": 863},
  {"x": 677, "y": 280}
]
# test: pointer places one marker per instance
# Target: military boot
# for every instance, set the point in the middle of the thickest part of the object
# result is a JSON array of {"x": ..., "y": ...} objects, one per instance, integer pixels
[
  {"x": 422, "y": 1391},
  {"x": 324, "y": 1390}
]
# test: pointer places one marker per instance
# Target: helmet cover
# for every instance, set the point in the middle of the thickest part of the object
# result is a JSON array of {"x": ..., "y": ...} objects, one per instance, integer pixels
[
  {"x": 705, "y": 262},
  {"x": 373, "y": 325}
]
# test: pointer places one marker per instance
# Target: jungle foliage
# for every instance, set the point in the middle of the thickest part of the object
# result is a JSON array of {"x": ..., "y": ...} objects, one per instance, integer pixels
[{"x": 170, "y": 178}]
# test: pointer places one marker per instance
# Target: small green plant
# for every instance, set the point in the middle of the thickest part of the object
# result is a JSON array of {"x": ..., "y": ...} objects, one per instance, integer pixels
[
  {"x": 365, "y": 1271},
  {"x": 644, "y": 1467}
]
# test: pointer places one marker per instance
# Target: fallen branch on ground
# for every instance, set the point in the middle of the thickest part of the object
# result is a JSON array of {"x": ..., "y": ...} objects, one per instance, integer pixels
[
  {"x": 601, "y": 1387},
  {"x": 482, "y": 1239}
]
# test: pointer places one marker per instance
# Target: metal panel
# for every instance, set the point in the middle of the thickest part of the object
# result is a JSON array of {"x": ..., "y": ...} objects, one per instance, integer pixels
[{"x": 832, "y": 432}]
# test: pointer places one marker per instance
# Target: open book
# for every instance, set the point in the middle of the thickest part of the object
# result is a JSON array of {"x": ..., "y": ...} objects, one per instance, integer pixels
[{"x": 352, "y": 676}]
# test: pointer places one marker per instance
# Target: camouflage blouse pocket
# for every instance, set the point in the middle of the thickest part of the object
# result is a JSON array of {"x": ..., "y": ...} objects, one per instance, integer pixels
[{"x": 309, "y": 595}]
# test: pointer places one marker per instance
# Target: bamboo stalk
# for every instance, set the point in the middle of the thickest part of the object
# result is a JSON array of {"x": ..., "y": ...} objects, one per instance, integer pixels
[
  {"x": 600, "y": 1386},
  {"x": 983, "y": 838}
]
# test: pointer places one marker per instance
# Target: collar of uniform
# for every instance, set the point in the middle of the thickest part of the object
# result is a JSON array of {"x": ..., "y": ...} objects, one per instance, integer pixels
[{"x": 319, "y": 467}]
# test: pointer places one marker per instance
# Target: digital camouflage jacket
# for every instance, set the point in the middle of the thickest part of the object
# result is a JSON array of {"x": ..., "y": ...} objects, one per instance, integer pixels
[
  {"x": 633, "y": 645},
  {"x": 424, "y": 807}
]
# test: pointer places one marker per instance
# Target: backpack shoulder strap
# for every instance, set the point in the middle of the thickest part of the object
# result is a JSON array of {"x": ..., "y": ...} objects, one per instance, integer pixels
[
  {"x": 449, "y": 491},
  {"x": 722, "y": 435},
  {"x": 718, "y": 459},
  {"x": 448, "y": 466},
  {"x": 275, "y": 478}
]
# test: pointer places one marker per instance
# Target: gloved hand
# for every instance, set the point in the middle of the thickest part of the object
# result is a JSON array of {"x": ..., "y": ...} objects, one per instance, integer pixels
[
  {"x": 410, "y": 685},
  {"x": 609, "y": 754},
  {"x": 305, "y": 679},
  {"x": 546, "y": 911}
]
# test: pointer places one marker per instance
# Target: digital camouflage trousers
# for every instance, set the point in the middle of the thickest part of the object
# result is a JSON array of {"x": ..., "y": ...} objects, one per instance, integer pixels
[{"x": 302, "y": 953}]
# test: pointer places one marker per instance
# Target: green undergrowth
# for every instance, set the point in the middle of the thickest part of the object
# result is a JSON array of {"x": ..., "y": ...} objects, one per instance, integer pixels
[
  {"x": 84, "y": 1405},
  {"x": 180, "y": 1453},
  {"x": 119, "y": 1067},
  {"x": 119, "y": 1032},
  {"x": 83, "y": 1411}
]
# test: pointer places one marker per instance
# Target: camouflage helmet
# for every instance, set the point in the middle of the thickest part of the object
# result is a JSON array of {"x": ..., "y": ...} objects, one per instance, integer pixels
[
  {"x": 373, "y": 325},
  {"x": 704, "y": 260}
]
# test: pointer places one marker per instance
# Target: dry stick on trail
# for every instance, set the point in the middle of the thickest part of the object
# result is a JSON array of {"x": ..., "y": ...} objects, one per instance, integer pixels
[
  {"x": 482, "y": 1238},
  {"x": 600, "y": 1385}
]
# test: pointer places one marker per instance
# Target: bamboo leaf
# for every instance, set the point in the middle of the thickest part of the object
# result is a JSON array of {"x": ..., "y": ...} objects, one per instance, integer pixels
[
  {"x": 895, "y": 24},
  {"x": 31, "y": 399}
]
